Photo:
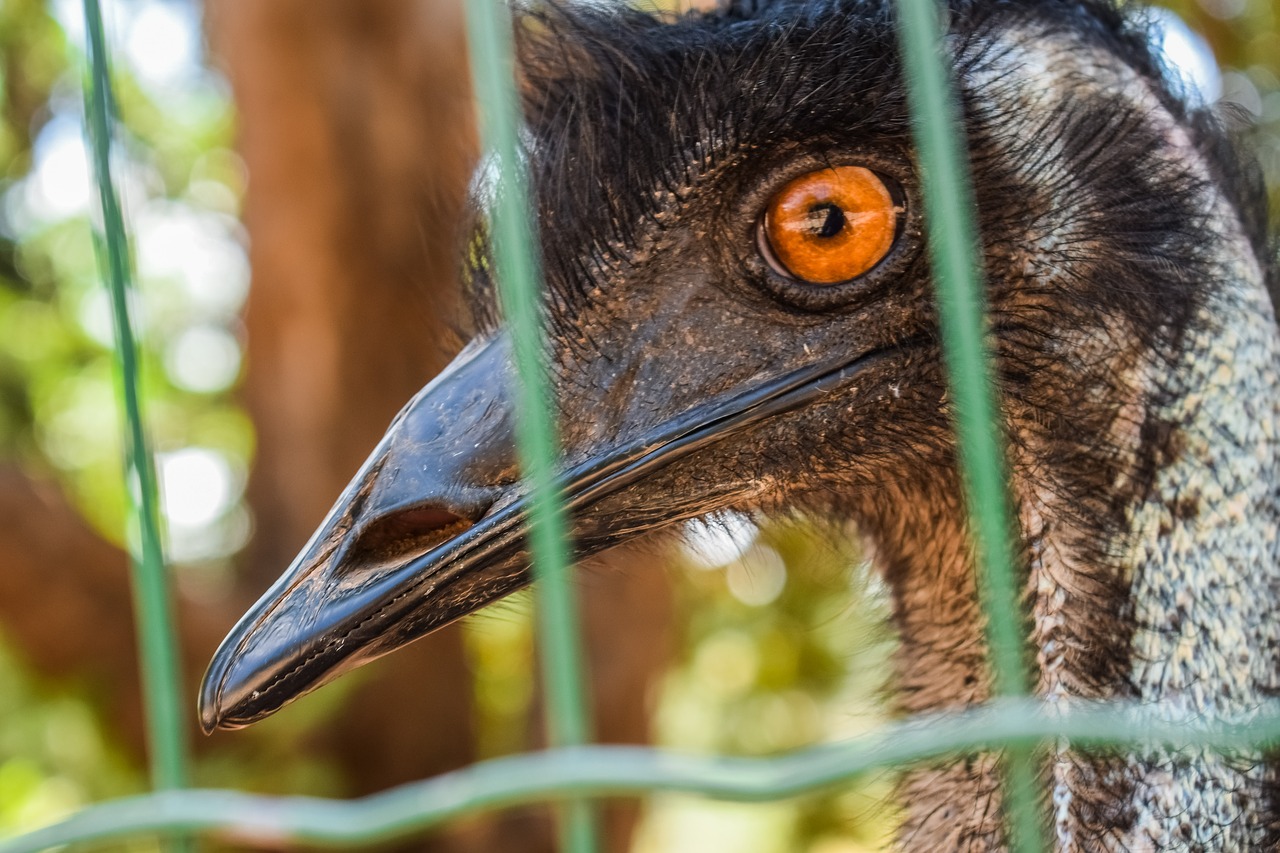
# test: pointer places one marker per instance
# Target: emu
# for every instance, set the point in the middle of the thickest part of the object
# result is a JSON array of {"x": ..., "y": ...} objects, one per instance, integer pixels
[{"x": 741, "y": 318}]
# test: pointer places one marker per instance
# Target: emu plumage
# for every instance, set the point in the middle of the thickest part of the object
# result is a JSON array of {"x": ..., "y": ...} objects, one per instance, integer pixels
[{"x": 1124, "y": 244}]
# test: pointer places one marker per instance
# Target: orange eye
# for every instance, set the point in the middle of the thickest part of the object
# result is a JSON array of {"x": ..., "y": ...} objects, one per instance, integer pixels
[{"x": 831, "y": 225}]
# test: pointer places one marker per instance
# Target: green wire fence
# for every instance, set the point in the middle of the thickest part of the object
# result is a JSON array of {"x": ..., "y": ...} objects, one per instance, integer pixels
[
  {"x": 948, "y": 202},
  {"x": 572, "y": 772},
  {"x": 157, "y": 640},
  {"x": 597, "y": 771},
  {"x": 489, "y": 36}
]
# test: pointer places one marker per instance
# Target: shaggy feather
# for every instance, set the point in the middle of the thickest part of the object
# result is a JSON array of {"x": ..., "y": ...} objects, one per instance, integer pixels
[{"x": 1113, "y": 214}]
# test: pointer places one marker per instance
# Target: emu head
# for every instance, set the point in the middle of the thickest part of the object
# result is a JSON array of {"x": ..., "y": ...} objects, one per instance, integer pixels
[{"x": 739, "y": 310}]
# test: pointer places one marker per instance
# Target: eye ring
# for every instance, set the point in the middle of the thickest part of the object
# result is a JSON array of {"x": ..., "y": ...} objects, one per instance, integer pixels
[{"x": 830, "y": 226}]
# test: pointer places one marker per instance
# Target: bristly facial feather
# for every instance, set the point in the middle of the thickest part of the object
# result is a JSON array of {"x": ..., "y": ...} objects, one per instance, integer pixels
[
  {"x": 1106, "y": 204},
  {"x": 1123, "y": 241}
]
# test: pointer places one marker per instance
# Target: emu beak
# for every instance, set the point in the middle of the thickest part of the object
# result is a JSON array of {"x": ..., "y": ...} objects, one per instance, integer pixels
[
  {"x": 388, "y": 548},
  {"x": 432, "y": 527}
]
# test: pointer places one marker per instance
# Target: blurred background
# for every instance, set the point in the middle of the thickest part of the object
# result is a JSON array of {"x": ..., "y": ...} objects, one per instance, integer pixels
[{"x": 292, "y": 172}]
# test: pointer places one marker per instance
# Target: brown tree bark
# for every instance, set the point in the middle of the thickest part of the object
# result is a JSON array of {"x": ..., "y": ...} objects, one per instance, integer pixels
[
  {"x": 64, "y": 599},
  {"x": 356, "y": 150}
]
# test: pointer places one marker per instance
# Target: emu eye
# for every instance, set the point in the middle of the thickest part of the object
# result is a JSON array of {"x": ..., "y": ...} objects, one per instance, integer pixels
[{"x": 830, "y": 225}]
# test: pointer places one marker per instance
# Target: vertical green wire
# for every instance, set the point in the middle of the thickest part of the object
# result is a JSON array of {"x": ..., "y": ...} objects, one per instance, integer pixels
[
  {"x": 953, "y": 243},
  {"x": 156, "y": 636},
  {"x": 493, "y": 73}
]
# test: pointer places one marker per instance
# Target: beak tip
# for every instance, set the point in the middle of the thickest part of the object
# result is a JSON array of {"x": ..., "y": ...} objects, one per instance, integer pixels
[{"x": 209, "y": 706}]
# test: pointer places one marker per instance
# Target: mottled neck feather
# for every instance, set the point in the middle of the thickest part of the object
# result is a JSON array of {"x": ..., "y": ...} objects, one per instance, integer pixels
[
  {"x": 1198, "y": 565},
  {"x": 1148, "y": 496},
  {"x": 1177, "y": 607}
]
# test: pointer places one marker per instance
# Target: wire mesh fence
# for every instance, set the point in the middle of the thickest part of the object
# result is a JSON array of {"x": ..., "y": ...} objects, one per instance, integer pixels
[{"x": 573, "y": 772}]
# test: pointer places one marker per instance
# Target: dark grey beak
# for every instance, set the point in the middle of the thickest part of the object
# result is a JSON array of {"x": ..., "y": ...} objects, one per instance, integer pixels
[
  {"x": 432, "y": 527},
  {"x": 390, "y": 544}
]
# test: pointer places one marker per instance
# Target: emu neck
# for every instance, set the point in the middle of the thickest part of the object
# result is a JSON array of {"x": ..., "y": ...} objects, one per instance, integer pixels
[
  {"x": 925, "y": 554},
  {"x": 1198, "y": 568},
  {"x": 1153, "y": 574}
]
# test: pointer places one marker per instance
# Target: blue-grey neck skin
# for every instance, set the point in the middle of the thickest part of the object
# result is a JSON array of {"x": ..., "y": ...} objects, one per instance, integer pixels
[
  {"x": 1204, "y": 553},
  {"x": 1202, "y": 563}
]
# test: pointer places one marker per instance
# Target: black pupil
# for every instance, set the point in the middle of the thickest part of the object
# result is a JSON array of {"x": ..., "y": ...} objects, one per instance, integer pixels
[{"x": 826, "y": 220}]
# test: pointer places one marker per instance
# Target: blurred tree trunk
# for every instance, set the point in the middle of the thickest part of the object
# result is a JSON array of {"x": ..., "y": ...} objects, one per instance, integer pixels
[
  {"x": 65, "y": 601},
  {"x": 355, "y": 152},
  {"x": 357, "y": 132}
]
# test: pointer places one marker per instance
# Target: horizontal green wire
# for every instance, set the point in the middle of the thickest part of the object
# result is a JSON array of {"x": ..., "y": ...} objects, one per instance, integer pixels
[
  {"x": 493, "y": 73},
  {"x": 595, "y": 771},
  {"x": 953, "y": 242}
]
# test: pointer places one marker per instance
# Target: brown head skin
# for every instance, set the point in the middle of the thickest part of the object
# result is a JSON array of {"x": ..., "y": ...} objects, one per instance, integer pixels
[{"x": 1125, "y": 259}]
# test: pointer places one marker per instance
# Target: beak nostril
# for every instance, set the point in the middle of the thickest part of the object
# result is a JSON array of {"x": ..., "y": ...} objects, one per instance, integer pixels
[
  {"x": 400, "y": 536},
  {"x": 410, "y": 521}
]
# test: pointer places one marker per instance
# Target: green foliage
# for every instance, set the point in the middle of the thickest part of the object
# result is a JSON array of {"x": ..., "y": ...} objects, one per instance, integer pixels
[
  {"x": 1245, "y": 38},
  {"x": 55, "y": 755},
  {"x": 59, "y": 416},
  {"x": 785, "y": 646},
  {"x": 181, "y": 184},
  {"x": 499, "y": 646}
]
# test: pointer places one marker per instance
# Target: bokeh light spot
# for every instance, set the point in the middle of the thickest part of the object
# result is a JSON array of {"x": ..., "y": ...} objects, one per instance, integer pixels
[
  {"x": 758, "y": 578},
  {"x": 203, "y": 359},
  {"x": 196, "y": 484}
]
